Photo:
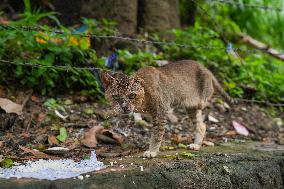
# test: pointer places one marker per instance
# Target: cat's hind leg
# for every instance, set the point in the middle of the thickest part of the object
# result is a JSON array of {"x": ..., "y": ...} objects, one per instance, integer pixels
[{"x": 199, "y": 133}]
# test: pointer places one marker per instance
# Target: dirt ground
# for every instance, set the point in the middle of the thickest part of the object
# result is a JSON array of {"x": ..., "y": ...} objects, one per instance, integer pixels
[{"x": 39, "y": 126}]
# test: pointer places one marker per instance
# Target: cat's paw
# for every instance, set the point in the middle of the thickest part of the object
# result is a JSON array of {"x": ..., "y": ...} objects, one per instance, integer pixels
[
  {"x": 149, "y": 154},
  {"x": 194, "y": 147}
]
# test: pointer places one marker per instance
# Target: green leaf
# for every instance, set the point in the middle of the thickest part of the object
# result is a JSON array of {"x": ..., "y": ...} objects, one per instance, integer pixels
[
  {"x": 188, "y": 155},
  {"x": 6, "y": 163},
  {"x": 63, "y": 135}
]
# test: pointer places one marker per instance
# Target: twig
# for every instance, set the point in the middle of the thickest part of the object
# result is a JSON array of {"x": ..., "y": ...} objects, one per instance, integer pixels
[
  {"x": 260, "y": 102},
  {"x": 261, "y": 46}
]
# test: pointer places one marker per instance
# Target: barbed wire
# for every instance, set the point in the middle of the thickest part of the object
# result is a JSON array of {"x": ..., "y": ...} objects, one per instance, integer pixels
[
  {"x": 68, "y": 68},
  {"x": 239, "y": 4},
  {"x": 91, "y": 35},
  {"x": 59, "y": 67}
]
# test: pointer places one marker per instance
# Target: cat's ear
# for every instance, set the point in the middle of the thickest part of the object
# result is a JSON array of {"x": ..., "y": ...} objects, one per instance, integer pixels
[{"x": 106, "y": 78}]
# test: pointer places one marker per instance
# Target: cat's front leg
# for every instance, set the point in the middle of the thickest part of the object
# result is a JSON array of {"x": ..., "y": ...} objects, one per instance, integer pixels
[
  {"x": 199, "y": 133},
  {"x": 158, "y": 131}
]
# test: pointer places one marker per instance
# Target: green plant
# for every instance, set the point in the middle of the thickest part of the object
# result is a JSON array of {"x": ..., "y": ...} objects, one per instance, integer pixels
[{"x": 49, "y": 49}]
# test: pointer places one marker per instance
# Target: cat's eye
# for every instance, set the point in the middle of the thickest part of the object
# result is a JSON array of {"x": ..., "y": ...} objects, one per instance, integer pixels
[
  {"x": 132, "y": 96},
  {"x": 115, "y": 97}
]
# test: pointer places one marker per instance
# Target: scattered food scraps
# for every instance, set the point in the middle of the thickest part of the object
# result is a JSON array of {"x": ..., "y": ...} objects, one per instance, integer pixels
[{"x": 53, "y": 169}]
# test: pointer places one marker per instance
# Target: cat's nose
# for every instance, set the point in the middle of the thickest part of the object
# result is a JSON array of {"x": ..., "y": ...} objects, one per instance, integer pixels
[{"x": 126, "y": 108}]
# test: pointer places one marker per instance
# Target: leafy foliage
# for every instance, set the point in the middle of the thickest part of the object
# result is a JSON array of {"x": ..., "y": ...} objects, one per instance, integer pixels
[
  {"x": 258, "y": 71},
  {"x": 49, "y": 49}
]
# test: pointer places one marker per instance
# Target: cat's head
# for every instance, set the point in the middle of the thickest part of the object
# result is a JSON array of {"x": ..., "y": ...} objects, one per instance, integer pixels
[{"x": 125, "y": 93}]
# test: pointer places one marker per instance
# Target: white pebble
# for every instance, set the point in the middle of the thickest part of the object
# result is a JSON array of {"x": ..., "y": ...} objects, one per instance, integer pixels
[
  {"x": 80, "y": 177},
  {"x": 141, "y": 168}
]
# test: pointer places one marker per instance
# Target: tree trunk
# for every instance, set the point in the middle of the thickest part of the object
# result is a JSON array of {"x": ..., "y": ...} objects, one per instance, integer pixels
[
  {"x": 158, "y": 16},
  {"x": 124, "y": 12}
]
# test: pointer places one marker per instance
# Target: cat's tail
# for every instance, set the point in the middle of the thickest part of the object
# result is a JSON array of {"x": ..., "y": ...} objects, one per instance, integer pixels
[{"x": 225, "y": 95}]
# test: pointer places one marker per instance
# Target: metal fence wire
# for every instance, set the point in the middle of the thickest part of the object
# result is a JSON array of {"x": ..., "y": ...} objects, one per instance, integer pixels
[{"x": 143, "y": 41}]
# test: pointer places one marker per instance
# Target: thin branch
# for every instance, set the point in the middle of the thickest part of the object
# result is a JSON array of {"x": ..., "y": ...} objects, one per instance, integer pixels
[{"x": 261, "y": 46}]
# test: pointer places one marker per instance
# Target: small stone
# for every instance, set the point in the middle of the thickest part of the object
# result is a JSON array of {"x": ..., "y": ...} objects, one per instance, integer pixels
[
  {"x": 141, "y": 168},
  {"x": 244, "y": 108},
  {"x": 80, "y": 177},
  {"x": 226, "y": 105},
  {"x": 137, "y": 117},
  {"x": 212, "y": 119},
  {"x": 226, "y": 168},
  {"x": 57, "y": 150},
  {"x": 87, "y": 176}
]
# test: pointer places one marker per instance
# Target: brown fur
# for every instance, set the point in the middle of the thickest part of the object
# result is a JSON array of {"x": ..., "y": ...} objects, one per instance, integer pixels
[{"x": 185, "y": 83}]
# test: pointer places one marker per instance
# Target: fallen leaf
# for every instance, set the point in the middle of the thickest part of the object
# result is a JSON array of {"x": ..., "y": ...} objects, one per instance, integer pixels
[
  {"x": 10, "y": 107},
  {"x": 90, "y": 139},
  {"x": 180, "y": 145},
  {"x": 37, "y": 153},
  {"x": 188, "y": 155},
  {"x": 118, "y": 138},
  {"x": 62, "y": 134},
  {"x": 231, "y": 133},
  {"x": 105, "y": 139},
  {"x": 52, "y": 140},
  {"x": 68, "y": 102},
  {"x": 99, "y": 133},
  {"x": 6, "y": 163},
  {"x": 89, "y": 110},
  {"x": 34, "y": 99},
  {"x": 240, "y": 129},
  {"x": 168, "y": 148},
  {"x": 41, "y": 116}
]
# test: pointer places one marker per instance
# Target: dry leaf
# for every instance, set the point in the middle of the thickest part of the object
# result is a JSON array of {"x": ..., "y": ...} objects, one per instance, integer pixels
[
  {"x": 117, "y": 138},
  {"x": 37, "y": 154},
  {"x": 90, "y": 139},
  {"x": 231, "y": 133},
  {"x": 52, "y": 140},
  {"x": 240, "y": 129},
  {"x": 10, "y": 107},
  {"x": 41, "y": 116},
  {"x": 99, "y": 133},
  {"x": 34, "y": 98}
]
